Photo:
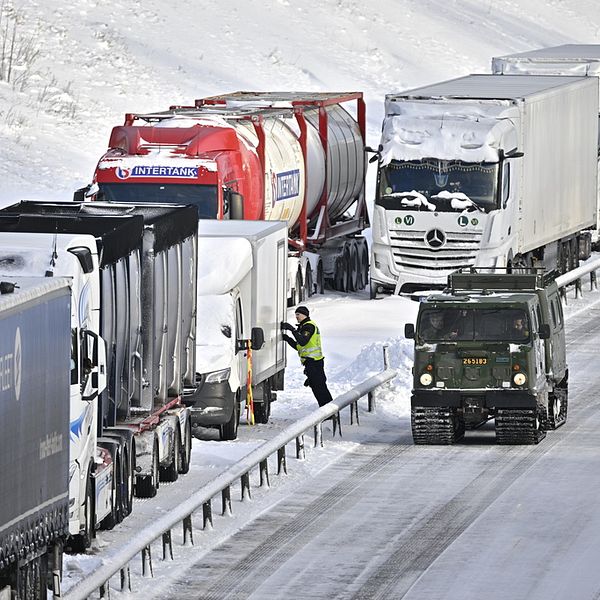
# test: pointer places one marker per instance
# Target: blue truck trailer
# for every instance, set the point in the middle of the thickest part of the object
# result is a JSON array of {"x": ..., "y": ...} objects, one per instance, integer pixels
[{"x": 35, "y": 373}]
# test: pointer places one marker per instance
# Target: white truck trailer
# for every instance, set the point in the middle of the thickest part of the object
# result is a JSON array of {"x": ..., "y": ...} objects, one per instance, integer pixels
[
  {"x": 576, "y": 60},
  {"x": 242, "y": 292},
  {"x": 133, "y": 273},
  {"x": 484, "y": 171}
]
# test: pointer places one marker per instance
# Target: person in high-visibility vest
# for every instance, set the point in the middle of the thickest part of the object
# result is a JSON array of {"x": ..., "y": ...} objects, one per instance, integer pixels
[{"x": 307, "y": 342}]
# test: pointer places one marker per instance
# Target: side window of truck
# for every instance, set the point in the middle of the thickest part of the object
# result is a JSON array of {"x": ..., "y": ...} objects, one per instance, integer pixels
[
  {"x": 553, "y": 313},
  {"x": 558, "y": 310},
  {"x": 538, "y": 314}
]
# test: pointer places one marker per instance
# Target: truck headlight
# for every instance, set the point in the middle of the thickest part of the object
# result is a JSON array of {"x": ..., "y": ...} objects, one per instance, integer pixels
[
  {"x": 426, "y": 379},
  {"x": 519, "y": 378},
  {"x": 218, "y": 376}
]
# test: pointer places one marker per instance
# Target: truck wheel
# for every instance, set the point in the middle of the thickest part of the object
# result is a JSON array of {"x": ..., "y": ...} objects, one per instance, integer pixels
[
  {"x": 81, "y": 542},
  {"x": 353, "y": 267},
  {"x": 146, "y": 486},
  {"x": 113, "y": 516},
  {"x": 186, "y": 449},
  {"x": 171, "y": 471},
  {"x": 308, "y": 283},
  {"x": 363, "y": 253},
  {"x": 341, "y": 274},
  {"x": 320, "y": 279},
  {"x": 228, "y": 431},
  {"x": 372, "y": 290},
  {"x": 129, "y": 478},
  {"x": 262, "y": 410},
  {"x": 299, "y": 287}
]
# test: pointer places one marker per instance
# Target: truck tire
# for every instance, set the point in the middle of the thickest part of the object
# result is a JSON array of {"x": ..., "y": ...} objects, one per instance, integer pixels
[
  {"x": 320, "y": 278},
  {"x": 372, "y": 290},
  {"x": 299, "y": 287},
  {"x": 171, "y": 471},
  {"x": 353, "y": 267},
  {"x": 186, "y": 449},
  {"x": 81, "y": 542},
  {"x": 114, "y": 516},
  {"x": 262, "y": 410},
  {"x": 308, "y": 282},
  {"x": 146, "y": 486},
  {"x": 228, "y": 431}
]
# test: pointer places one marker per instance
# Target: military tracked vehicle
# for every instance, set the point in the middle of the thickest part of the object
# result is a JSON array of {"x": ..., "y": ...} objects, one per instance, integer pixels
[{"x": 491, "y": 345}]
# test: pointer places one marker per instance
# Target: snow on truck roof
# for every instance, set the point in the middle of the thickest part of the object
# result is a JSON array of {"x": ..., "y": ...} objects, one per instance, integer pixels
[
  {"x": 486, "y": 87},
  {"x": 222, "y": 263},
  {"x": 566, "y": 52}
]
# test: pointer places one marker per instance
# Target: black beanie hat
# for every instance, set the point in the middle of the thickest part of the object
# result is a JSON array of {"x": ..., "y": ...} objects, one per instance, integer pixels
[{"x": 302, "y": 310}]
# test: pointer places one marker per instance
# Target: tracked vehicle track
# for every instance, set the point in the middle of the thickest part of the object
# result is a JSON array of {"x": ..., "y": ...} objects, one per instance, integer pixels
[
  {"x": 435, "y": 425},
  {"x": 518, "y": 426}
]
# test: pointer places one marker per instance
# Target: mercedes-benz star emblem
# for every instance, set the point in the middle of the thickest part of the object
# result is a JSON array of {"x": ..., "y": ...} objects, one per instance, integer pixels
[{"x": 436, "y": 238}]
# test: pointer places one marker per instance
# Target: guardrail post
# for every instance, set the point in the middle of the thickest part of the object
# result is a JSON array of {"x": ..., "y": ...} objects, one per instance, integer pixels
[
  {"x": 226, "y": 501},
  {"x": 264, "y": 473},
  {"x": 188, "y": 535},
  {"x": 318, "y": 429},
  {"x": 300, "y": 454},
  {"x": 126, "y": 579},
  {"x": 281, "y": 461},
  {"x": 337, "y": 424},
  {"x": 578, "y": 292},
  {"x": 563, "y": 294},
  {"x": 105, "y": 590},
  {"x": 245, "y": 482},
  {"x": 354, "y": 413},
  {"x": 207, "y": 521},
  {"x": 167, "y": 544},
  {"x": 147, "y": 562},
  {"x": 371, "y": 402}
]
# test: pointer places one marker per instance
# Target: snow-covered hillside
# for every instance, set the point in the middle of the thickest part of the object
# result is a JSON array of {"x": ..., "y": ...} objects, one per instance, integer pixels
[{"x": 78, "y": 66}]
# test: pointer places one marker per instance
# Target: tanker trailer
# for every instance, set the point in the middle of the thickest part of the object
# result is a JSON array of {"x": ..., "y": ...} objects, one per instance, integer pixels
[{"x": 289, "y": 156}]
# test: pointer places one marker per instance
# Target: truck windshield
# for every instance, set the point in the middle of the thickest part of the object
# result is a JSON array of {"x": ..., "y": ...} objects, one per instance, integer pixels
[
  {"x": 438, "y": 185},
  {"x": 467, "y": 325},
  {"x": 204, "y": 197}
]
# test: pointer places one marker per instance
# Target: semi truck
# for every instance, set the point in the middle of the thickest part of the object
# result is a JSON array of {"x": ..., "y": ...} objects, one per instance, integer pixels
[
  {"x": 35, "y": 355},
  {"x": 491, "y": 345},
  {"x": 577, "y": 60},
  {"x": 289, "y": 156},
  {"x": 242, "y": 290},
  {"x": 484, "y": 171},
  {"x": 133, "y": 273}
]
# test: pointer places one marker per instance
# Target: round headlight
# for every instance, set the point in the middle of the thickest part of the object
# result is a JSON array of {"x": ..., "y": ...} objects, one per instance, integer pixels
[
  {"x": 426, "y": 379},
  {"x": 519, "y": 379}
]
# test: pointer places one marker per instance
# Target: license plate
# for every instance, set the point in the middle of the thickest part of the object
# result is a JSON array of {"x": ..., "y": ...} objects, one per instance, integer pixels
[{"x": 475, "y": 361}]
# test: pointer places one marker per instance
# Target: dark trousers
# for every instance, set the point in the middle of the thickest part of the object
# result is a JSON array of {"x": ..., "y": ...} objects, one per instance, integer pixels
[{"x": 315, "y": 375}]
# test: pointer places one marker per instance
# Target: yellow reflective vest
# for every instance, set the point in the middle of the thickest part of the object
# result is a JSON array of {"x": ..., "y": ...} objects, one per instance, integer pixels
[{"x": 312, "y": 348}]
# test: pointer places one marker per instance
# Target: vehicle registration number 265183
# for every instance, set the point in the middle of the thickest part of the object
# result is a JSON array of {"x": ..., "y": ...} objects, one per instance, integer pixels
[{"x": 475, "y": 361}]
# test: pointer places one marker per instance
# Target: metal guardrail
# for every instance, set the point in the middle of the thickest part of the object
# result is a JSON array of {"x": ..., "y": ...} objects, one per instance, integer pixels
[
  {"x": 117, "y": 560},
  {"x": 575, "y": 276}
]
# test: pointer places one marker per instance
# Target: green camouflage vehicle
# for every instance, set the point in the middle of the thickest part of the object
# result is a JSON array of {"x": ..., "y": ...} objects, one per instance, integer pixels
[{"x": 489, "y": 346}]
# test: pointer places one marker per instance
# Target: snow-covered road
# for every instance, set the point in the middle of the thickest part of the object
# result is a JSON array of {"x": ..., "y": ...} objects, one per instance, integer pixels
[{"x": 373, "y": 516}]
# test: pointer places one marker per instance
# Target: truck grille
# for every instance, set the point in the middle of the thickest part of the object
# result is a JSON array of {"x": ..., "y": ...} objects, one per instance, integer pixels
[{"x": 443, "y": 252}]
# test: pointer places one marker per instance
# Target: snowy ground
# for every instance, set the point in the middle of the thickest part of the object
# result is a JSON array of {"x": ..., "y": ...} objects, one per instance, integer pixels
[{"x": 85, "y": 63}]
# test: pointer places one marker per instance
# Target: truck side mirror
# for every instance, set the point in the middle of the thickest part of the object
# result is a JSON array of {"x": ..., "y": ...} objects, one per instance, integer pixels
[
  {"x": 80, "y": 194},
  {"x": 544, "y": 331},
  {"x": 409, "y": 331},
  {"x": 257, "y": 338}
]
